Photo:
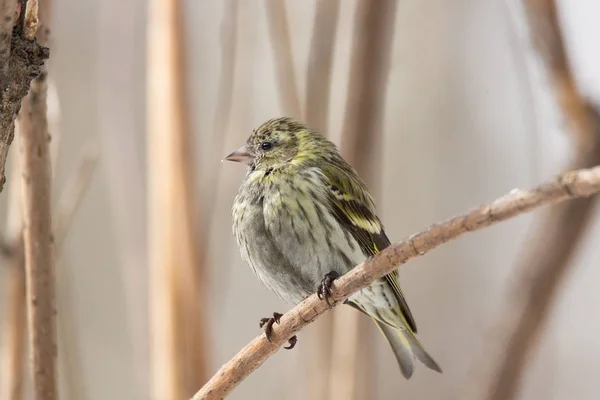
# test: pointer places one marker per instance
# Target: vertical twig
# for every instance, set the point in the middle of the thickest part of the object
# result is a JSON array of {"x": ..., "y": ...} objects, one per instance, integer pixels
[
  {"x": 360, "y": 144},
  {"x": 73, "y": 192},
  {"x": 279, "y": 32},
  {"x": 178, "y": 352},
  {"x": 369, "y": 71},
  {"x": 320, "y": 62},
  {"x": 224, "y": 100},
  {"x": 14, "y": 332},
  {"x": 37, "y": 222},
  {"x": 318, "y": 83},
  {"x": 498, "y": 372}
]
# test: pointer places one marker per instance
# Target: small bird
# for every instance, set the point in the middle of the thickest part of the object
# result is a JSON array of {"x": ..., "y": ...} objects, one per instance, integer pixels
[{"x": 303, "y": 217}]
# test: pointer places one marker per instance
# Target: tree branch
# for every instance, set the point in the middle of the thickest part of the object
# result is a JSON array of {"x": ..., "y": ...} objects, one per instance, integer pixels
[
  {"x": 16, "y": 72},
  {"x": 37, "y": 229},
  {"x": 512, "y": 337},
  {"x": 581, "y": 183}
]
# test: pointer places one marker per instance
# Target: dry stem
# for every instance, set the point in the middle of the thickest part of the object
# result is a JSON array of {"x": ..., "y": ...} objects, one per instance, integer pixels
[
  {"x": 37, "y": 230},
  {"x": 72, "y": 194},
  {"x": 279, "y": 32},
  {"x": 320, "y": 63},
  {"x": 581, "y": 183},
  {"x": 179, "y": 354}
]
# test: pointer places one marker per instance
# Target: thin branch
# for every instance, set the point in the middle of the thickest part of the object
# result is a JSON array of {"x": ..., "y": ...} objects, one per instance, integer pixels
[
  {"x": 14, "y": 332},
  {"x": 73, "y": 193},
  {"x": 574, "y": 184},
  {"x": 37, "y": 229},
  {"x": 513, "y": 336},
  {"x": 16, "y": 72},
  {"x": 279, "y": 32}
]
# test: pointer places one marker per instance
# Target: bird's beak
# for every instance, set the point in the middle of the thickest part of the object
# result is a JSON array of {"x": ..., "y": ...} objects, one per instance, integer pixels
[{"x": 240, "y": 155}]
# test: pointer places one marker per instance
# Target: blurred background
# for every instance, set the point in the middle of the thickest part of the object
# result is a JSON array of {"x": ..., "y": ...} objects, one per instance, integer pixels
[{"x": 440, "y": 105}]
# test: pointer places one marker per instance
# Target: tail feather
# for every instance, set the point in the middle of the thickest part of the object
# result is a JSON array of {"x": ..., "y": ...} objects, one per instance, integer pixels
[{"x": 406, "y": 348}]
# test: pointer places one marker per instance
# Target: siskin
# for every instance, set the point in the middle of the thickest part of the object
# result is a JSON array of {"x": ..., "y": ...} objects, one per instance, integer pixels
[{"x": 302, "y": 217}]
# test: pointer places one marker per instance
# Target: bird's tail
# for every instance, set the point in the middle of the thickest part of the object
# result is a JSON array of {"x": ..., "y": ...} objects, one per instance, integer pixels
[{"x": 406, "y": 348}]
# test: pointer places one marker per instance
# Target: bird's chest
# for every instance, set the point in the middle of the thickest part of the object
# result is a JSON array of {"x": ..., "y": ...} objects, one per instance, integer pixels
[
  {"x": 290, "y": 238},
  {"x": 301, "y": 223}
]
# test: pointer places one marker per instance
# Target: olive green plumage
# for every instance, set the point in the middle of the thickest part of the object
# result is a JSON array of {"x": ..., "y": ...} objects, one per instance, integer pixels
[{"x": 301, "y": 212}]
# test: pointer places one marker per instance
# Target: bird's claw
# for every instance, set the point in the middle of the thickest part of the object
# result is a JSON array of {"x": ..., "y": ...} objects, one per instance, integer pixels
[
  {"x": 292, "y": 342},
  {"x": 267, "y": 323},
  {"x": 324, "y": 289}
]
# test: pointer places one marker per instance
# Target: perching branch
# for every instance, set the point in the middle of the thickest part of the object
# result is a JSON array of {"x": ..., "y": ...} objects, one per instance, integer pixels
[
  {"x": 512, "y": 337},
  {"x": 575, "y": 184},
  {"x": 21, "y": 60}
]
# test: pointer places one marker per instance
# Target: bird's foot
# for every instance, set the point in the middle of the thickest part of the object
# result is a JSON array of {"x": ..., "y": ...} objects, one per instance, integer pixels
[
  {"x": 324, "y": 289},
  {"x": 292, "y": 342},
  {"x": 267, "y": 323}
]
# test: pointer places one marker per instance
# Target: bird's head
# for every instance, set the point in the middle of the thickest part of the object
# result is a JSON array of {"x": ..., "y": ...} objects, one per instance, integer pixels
[{"x": 280, "y": 142}]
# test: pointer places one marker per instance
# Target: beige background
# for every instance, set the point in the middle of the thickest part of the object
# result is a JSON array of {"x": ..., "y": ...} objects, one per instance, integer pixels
[{"x": 468, "y": 117}]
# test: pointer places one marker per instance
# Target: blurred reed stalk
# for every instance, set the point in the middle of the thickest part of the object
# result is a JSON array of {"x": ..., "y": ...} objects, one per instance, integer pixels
[
  {"x": 118, "y": 86},
  {"x": 279, "y": 33},
  {"x": 13, "y": 336},
  {"x": 320, "y": 64},
  {"x": 178, "y": 339},
  {"x": 222, "y": 117},
  {"x": 317, "y": 361},
  {"x": 547, "y": 260},
  {"x": 13, "y": 350},
  {"x": 37, "y": 220},
  {"x": 361, "y": 140}
]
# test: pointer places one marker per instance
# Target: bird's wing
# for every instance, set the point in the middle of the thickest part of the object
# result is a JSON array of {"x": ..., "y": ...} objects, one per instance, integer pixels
[{"x": 354, "y": 209}]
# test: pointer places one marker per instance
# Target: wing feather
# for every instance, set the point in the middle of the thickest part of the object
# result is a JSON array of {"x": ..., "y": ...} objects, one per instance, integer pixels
[{"x": 353, "y": 207}]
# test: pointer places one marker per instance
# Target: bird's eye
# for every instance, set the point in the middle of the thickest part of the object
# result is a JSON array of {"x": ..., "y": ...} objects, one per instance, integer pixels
[{"x": 266, "y": 146}]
